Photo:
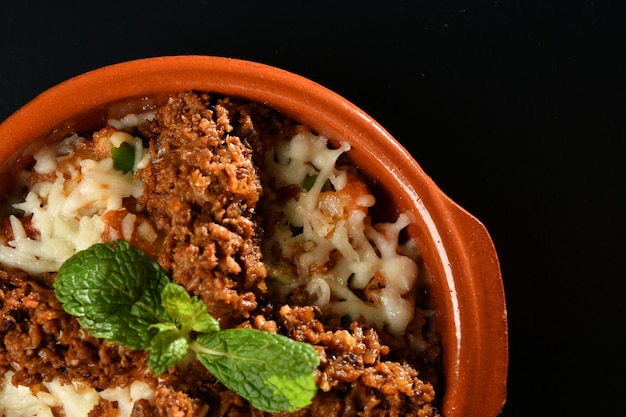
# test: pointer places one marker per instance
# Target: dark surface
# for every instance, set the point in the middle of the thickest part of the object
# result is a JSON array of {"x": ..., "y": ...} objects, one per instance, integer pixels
[{"x": 516, "y": 111}]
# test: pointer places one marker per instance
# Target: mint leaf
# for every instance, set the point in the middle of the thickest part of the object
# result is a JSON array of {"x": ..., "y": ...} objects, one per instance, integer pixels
[
  {"x": 172, "y": 341},
  {"x": 115, "y": 292},
  {"x": 273, "y": 372},
  {"x": 189, "y": 312},
  {"x": 167, "y": 348},
  {"x": 123, "y": 157}
]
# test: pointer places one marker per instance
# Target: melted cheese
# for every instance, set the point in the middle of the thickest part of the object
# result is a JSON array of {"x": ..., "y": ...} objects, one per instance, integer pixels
[
  {"x": 339, "y": 253},
  {"x": 66, "y": 213},
  {"x": 76, "y": 400}
]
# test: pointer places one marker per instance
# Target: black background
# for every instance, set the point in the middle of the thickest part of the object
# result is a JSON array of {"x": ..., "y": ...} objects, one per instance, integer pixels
[{"x": 515, "y": 108}]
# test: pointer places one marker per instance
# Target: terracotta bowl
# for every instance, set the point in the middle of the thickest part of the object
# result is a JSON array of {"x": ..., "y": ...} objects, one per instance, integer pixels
[{"x": 459, "y": 257}]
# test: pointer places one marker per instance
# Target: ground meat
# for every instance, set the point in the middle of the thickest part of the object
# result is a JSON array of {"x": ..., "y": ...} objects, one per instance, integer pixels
[
  {"x": 354, "y": 379},
  {"x": 212, "y": 248},
  {"x": 201, "y": 190},
  {"x": 203, "y": 193},
  {"x": 39, "y": 341}
]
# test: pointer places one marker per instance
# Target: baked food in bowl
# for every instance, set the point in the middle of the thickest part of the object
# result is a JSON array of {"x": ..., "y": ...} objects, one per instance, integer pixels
[{"x": 459, "y": 276}]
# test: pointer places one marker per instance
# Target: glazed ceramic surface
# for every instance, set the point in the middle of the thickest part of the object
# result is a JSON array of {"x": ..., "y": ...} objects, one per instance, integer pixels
[{"x": 459, "y": 257}]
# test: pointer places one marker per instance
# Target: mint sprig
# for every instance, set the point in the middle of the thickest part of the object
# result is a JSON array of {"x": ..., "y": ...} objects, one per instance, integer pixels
[{"x": 118, "y": 293}]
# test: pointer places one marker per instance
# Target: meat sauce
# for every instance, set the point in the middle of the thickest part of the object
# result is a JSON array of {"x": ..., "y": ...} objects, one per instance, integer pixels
[{"x": 204, "y": 196}]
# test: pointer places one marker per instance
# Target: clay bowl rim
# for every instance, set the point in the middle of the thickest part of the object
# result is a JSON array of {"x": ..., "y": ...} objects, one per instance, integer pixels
[{"x": 463, "y": 266}]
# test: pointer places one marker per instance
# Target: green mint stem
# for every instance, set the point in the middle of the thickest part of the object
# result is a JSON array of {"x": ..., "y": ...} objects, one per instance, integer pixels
[{"x": 201, "y": 350}]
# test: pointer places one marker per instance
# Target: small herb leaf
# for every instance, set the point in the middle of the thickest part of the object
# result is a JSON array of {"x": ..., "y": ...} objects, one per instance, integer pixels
[
  {"x": 123, "y": 157},
  {"x": 190, "y": 312},
  {"x": 114, "y": 290},
  {"x": 310, "y": 180},
  {"x": 167, "y": 348},
  {"x": 273, "y": 372}
]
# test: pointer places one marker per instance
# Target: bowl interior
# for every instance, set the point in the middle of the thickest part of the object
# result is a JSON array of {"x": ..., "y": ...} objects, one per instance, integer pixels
[{"x": 458, "y": 255}]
